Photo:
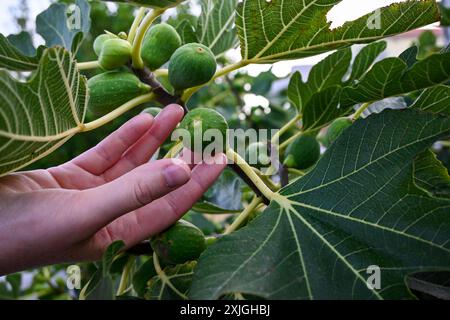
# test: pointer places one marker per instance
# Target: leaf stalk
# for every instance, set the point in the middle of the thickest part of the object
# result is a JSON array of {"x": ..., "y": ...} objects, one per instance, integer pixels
[
  {"x": 243, "y": 215},
  {"x": 250, "y": 174},
  {"x": 150, "y": 17}
]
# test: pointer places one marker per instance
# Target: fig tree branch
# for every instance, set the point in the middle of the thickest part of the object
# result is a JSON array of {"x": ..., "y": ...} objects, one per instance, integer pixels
[
  {"x": 243, "y": 215},
  {"x": 161, "y": 95}
]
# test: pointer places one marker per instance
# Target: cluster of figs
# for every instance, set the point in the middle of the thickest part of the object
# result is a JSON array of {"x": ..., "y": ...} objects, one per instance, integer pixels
[{"x": 189, "y": 65}]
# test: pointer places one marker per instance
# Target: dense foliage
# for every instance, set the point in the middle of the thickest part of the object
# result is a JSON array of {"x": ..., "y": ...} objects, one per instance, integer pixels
[{"x": 362, "y": 179}]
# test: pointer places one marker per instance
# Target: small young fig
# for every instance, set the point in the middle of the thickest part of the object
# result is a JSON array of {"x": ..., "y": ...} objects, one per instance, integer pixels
[
  {"x": 180, "y": 243},
  {"x": 257, "y": 155},
  {"x": 201, "y": 121},
  {"x": 211, "y": 240},
  {"x": 160, "y": 43},
  {"x": 303, "y": 153},
  {"x": 191, "y": 65},
  {"x": 100, "y": 41},
  {"x": 114, "y": 54},
  {"x": 109, "y": 90},
  {"x": 335, "y": 130}
]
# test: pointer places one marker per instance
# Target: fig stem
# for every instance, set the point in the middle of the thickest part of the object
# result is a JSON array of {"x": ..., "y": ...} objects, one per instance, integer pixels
[
  {"x": 290, "y": 140},
  {"x": 88, "y": 65},
  {"x": 125, "y": 282},
  {"x": 257, "y": 184},
  {"x": 266, "y": 178},
  {"x": 284, "y": 175},
  {"x": 360, "y": 111},
  {"x": 161, "y": 72},
  {"x": 137, "y": 21},
  {"x": 164, "y": 278},
  {"x": 297, "y": 172},
  {"x": 285, "y": 128},
  {"x": 243, "y": 215},
  {"x": 174, "y": 150},
  {"x": 150, "y": 17},
  {"x": 226, "y": 70}
]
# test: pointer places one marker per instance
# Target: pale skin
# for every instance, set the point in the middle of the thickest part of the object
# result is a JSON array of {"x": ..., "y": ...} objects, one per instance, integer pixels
[{"x": 72, "y": 212}]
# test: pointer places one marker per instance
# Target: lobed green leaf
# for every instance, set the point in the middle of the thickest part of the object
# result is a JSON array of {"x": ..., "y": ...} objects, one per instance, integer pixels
[{"x": 359, "y": 207}]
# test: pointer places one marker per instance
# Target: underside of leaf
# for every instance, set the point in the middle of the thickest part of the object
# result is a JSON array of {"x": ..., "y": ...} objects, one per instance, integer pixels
[{"x": 38, "y": 116}]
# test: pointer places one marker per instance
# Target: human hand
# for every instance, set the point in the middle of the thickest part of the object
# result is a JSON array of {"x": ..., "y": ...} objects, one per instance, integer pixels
[{"x": 74, "y": 211}]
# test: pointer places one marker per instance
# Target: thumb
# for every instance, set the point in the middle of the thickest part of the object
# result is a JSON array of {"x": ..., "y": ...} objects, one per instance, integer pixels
[{"x": 134, "y": 190}]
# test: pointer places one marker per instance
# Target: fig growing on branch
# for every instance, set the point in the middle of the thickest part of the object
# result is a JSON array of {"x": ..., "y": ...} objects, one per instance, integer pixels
[
  {"x": 100, "y": 41},
  {"x": 111, "y": 89},
  {"x": 303, "y": 153},
  {"x": 336, "y": 128},
  {"x": 114, "y": 54},
  {"x": 191, "y": 65},
  {"x": 160, "y": 43},
  {"x": 180, "y": 243},
  {"x": 204, "y": 123}
]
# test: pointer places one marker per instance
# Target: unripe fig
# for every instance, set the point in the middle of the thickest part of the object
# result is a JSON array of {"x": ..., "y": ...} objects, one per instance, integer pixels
[
  {"x": 160, "y": 43},
  {"x": 114, "y": 54},
  {"x": 180, "y": 243},
  {"x": 109, "y": 90},
  {"x": 303, "y": 153},
  {"x": 198, "y": 122},
  {"x": 99, "y": 42},
  {"x": 258, "y": 155},
  {"x": 335, "y": 129},
  {"x": 191, "y": 65}
]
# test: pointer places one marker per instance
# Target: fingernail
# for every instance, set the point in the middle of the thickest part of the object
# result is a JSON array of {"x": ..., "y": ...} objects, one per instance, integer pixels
[
  {"x": 146, "y": 115},
  {"x": 176, "y": 174},
  {"x": 178, "y": 106},
  {"x": 220, "y": 159}
]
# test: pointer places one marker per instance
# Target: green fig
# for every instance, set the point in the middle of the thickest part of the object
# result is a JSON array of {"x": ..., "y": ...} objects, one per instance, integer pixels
[
  {"x": 114, "y": 54},
  {"x": 303, "y": 153},
  {"x": 180, "y": 243},
  {"x": 197, "y": 122},
  {"x": 191, "y": 65},
  {"x": 110, "y": 90},
  {"x": 100, "y": 41},
  {"x": 335, "y": 130},
  {"x": 159, "y": 44}
]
